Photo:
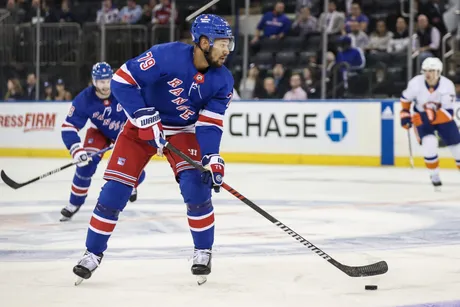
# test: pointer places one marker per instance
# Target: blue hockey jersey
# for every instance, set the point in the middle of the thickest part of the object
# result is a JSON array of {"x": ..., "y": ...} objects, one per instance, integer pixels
[
  {"x": 107, "y": 115},
  {"x": 165, "y": 77}
]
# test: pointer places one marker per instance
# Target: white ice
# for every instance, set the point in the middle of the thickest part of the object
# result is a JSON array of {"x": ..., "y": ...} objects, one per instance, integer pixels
[{"x": 357, "y": 215}]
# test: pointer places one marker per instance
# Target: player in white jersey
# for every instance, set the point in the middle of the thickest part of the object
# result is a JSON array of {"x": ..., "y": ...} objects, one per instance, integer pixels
[{"x": 434, "y": 96}]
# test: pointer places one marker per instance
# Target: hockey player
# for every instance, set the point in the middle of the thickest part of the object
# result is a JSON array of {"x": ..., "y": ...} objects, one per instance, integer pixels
[
  {"x": 107, "y": 117},
  {"x": 178, "y": 92},
  {"x": 434, "y": 96}
]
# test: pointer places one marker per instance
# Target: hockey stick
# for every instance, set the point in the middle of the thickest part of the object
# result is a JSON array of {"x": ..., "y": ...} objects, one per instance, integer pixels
[
  {"x": 377, "y": 268},
  {"x": 411, "y": 157},
  {"x": 202, "y": 9},
  {"x": 15, "y": 185}
]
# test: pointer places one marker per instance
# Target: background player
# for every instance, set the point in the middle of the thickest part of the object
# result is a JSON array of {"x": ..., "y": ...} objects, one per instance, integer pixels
[
  {"x": 434, "y": 96},
  {"x": 181, "y": 92},
  {"x": 107, "y": 117}
]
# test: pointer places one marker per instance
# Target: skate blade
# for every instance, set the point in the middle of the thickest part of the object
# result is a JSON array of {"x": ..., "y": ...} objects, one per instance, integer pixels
[
  {"x": 64, "y": 219},
  {"x": 78, "y": 281},
  {"x": 201, "y": 280}
]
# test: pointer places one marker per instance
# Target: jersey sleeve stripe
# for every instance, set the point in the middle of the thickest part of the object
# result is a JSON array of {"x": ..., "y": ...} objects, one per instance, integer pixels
[
  {"x": 211, "y": 114},
  {"x": 205, "y": 120},
  {"x": 66, "y": 126},
  {"x": 124, "y": 76}
]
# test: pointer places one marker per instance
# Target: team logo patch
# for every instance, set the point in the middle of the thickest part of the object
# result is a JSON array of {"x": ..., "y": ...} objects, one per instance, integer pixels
[
  {"x": 199, "y": 78},
  {"x": 90, "y": 141},
  {"x": 106, "y": 102},
  {"x": 121, "y": 161}
]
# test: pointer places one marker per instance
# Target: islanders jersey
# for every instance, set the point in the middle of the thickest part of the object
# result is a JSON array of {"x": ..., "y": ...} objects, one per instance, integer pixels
[
  {"x": 164, "y": 77},
  {"x": 106, "y": 115},
  {"x": 418, "y": 91}
]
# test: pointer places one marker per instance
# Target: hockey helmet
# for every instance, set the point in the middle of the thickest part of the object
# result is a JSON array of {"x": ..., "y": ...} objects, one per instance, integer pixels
[
  {"x": 213, "y": 27},
  {"x": 432, "y": 64},
  {"x": 101, "y": 71}
]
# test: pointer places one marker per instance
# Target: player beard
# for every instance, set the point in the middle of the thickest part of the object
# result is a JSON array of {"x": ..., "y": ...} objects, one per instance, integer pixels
[{"x": 214, "y": 63}]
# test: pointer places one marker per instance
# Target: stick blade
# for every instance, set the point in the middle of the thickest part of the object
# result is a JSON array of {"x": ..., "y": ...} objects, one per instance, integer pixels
[
  {"x": 9, "y": 182},
  {"x": 374, "y": 269}
]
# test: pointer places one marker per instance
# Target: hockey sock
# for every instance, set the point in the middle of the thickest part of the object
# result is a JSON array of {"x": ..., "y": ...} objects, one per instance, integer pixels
[
  {"x": 430, "y": 152},
  {"x": 455, "y": 150},
  {"x": 141, "y": 177},
  {"x": 200, "y": 212},
  {"x": 81, "y": 182},
  {"x": 111, "y": 202}
]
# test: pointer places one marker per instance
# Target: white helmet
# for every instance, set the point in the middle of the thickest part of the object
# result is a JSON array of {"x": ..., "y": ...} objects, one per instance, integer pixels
[{"x": 432, "y": 64}]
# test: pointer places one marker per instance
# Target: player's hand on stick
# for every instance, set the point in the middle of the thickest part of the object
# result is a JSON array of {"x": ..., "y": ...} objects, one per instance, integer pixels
[
  {"x": 79, "y": 155},
  {"x": 150, "y": 129},
  {"x": 216, "y": 169},
  {"x": 406, "y": 122}
]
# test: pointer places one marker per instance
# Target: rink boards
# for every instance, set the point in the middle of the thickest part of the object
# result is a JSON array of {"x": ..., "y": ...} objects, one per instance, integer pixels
[{"x": 332, "y": 132}]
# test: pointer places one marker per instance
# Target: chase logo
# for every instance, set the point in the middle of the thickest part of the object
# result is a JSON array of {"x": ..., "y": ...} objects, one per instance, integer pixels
[{"x": 336, "y": 126}]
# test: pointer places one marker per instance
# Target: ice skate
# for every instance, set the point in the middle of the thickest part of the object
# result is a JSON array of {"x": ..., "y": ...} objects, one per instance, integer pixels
[
  {"x": 86, "y": 266},
  {"x": 201, "y": 264},
  {"x": 436, "y": 181},
  {"x": 68, "y": 211},
  {"x": 133, "y": 196}
]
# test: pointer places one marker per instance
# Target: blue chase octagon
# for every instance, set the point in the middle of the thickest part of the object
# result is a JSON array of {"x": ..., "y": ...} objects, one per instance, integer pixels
[{"x": 336, "y": 126}]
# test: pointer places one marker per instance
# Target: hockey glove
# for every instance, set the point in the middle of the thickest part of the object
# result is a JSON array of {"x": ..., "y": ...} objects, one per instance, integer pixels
[
  {"x": 79, "y": 155},
  {"x": 406, "y": 122},
  {"x": 430, "y": 109},
  {"x": 150, "y": 129},
  {"x": 214, "y": 176}
]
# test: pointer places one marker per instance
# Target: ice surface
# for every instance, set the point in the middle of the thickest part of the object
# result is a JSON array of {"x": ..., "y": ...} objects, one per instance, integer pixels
[{"x": 357, "y": 215}]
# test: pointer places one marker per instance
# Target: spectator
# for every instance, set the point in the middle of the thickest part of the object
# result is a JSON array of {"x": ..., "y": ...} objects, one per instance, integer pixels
[
  {"x": 147, "y": 12},
  {"x": 14, "y": 91},
  {"x": 17, "y": 14},
  {"x": 353, "y": 56},
  {"x": 305, "y": 22},
  {"x": 434, "y": 11},
  {"x": 131, "y": 13},
  {"x": 61, "y": 93},
  {"x": 333, "y": 19},
  {"x": 380, "y": 39},
  {"x": 274, "y": 25},
  {"x": 358, "y": 16},
  {"x": 300, "y": 4},
  {"x": 48, "y": 94},
  {"x": 359, "y": 39},
  {"x": 107, "y": 13},
  {"x": 428, "y": 38},
  {"x": 31, "y": 85},
  {"x": 66, "y": 15},
  {"x": 162, "y": 13},
  {"x": 47, "y": 14},
  {"x": 296, "y": 92},
  {"x": 309, "y": 84},
  {"x": 281, "y": 80},
  {"x": 48, "y": 11},
  {"x": 400, "y": 39},
  {"x": 269, "y": 90},
  {"x": 248, "y": 86}
]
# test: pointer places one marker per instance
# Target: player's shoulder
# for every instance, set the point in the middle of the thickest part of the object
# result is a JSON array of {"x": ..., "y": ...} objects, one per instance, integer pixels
[
  {"x": 84, "y": 97},
  {"x": 417, "y": 80},
  {"x": 446, "y": 82},
  {"x": 224, "y": 76},
  {"x": 171, "y": 50}
]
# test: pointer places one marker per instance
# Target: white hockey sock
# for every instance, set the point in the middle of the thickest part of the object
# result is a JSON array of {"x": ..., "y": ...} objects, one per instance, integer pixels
[
  {"x": 455, "y": 150},
  {"x": 430, "y": 153}
]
